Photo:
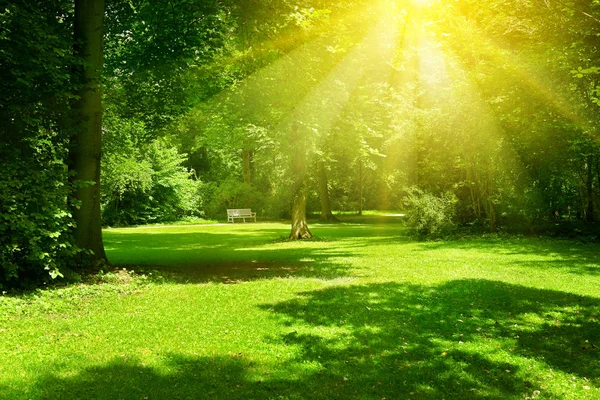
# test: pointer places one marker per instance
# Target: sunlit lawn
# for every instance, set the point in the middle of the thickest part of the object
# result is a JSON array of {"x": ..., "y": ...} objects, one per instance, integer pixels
[{"x": 235, "y": 311}]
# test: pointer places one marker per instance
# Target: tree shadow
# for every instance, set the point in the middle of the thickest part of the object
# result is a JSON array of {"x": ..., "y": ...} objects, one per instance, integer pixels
[
  {"x": 576, "y": 257},
  {"x": 309, "y": 266},
  {"x": 182, "y": 377},
  {"x": 463, "y": 339},
  {"x": 201, "y": 257}
]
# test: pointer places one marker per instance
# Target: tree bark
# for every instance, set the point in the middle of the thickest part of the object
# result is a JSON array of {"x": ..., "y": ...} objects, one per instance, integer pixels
[
  {"x": 360, "y": 187},
  {"x": 589, "y": 211},
  {"x": 86, "y": 143},
  {"x": 247, "y": 162},
  {"x": 326, "y": 213},
  {"x": 299, "y": 226}
]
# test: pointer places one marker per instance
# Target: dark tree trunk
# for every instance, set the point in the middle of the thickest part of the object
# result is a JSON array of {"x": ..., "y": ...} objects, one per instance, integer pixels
[
  {"x": 597, "y": 159},
  {"x": 299, "y": 226},
  {"x": 326, "y": 213},
  {"x": 589, "y": 212},
  {"x": 86, "y": 143},
  {"x": 247, "y": 162}
]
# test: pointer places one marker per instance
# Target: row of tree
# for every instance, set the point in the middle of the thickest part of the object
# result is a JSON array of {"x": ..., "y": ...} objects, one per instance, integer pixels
[
  {"x": 495, "y": 103},
  {"x": 187, "y": 107}
]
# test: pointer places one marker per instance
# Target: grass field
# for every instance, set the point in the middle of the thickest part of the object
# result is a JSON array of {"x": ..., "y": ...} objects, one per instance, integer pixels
[{"x": 237, "y": 312}]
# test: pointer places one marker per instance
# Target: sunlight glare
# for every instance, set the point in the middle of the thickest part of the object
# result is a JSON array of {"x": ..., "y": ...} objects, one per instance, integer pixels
[{"x": 422, "y": 3}]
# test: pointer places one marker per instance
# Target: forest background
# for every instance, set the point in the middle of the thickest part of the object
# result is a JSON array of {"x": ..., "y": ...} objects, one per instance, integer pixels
[{"x": 472, "y": 114}]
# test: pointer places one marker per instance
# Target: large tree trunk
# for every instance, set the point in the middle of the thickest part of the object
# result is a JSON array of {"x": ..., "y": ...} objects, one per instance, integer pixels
[
  {"x": 299, "y": 226},
  {"x": 326, "y": 213},
  {"x": 86, "y": 143}
]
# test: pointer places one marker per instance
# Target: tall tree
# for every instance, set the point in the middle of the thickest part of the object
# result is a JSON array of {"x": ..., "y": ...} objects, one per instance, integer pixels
[
  {"x": 299, "y": 169},
  {"x": 326, "y": 213},
  {"x": 87, "y": 141}
]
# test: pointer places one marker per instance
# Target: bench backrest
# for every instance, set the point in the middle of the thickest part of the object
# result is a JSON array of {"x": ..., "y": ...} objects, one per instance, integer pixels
[{"x": 238, "y": 211}]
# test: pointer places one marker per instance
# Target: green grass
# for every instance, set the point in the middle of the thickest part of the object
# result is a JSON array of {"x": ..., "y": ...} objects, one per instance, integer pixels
[{"x": 235, "y": 311}]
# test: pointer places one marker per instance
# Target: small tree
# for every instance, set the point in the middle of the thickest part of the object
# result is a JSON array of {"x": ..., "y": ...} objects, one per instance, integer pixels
[{"x": 430, "y": 215}]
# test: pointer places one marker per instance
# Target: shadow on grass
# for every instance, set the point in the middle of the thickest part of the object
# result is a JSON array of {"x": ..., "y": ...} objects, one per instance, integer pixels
[
  {"x": 463, "y": 339},
  {"x": 245, "y": 271},
  {"x": 368, "y": 219},
  {"x": 199, "y": 257},
  {"x": 576, "y": 257},
  {"x": 174, "y": 239},
  {"x": 446, "y": 340}
]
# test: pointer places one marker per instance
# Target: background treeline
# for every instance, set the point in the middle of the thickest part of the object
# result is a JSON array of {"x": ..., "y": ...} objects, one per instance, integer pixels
[{"x": 472, "y": 113}]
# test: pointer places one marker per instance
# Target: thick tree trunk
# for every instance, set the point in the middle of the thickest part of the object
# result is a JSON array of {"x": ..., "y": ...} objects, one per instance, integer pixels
[
  {"x": 326, "y": 213},
  {"x": 86, "y": 143},
  {"x": 299, "y": 226}
]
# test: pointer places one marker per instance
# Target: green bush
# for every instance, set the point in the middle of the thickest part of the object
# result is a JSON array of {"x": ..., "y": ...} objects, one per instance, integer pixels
[
  {"x": 430, "y": 215},
  {"x": 231, "y": 193},
  {"x": 35, "y": 240},
  {"x": 35, "y": 64},
  {"x": 148, "y": 184}
]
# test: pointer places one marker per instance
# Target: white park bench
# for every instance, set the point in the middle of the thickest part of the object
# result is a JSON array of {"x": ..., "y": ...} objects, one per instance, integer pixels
[{"x": 240, "y": 213}]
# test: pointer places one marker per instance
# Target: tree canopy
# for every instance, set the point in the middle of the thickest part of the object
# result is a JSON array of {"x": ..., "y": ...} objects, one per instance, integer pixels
[{"x": 479, "y": 113}]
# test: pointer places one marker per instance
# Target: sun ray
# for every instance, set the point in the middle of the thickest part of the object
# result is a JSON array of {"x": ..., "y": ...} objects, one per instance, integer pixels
[
  {"x": 289, "y": 41},
  {"x": 312, "y": 82},
  {"x": 370, "y": 57},
  {"x": 520, "y": 68},
  {"x": 438, "y": 95}
]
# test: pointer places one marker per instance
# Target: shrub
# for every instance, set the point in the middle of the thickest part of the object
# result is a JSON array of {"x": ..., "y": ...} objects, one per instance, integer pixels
[
  {"x": 35, "y": 124},
  {"x": 430, "y": 215},
  {"x": 231, "y": 193},
  {"x": 148, "y": 185},
  {"x": 35, "y": 240}
]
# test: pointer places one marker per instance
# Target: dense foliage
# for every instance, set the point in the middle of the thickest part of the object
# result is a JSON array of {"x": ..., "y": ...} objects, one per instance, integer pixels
[
  {"x": 430, "y": 216},
  {"x": 495, "y": 102},
  {"x": 36, "y": 87}
]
